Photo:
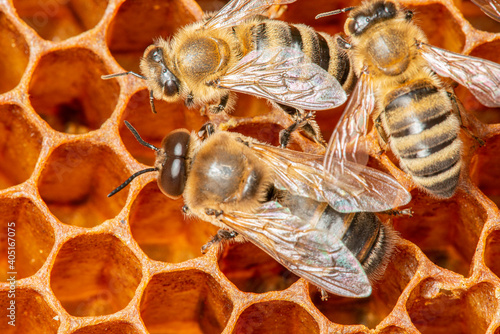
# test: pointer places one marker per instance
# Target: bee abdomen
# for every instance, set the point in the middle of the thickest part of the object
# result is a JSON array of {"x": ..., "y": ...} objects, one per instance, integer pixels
[
  {"x": 322, "y": 49},
  {"x": 424, "y": 134},
  {"x": 370, "y": 241}
]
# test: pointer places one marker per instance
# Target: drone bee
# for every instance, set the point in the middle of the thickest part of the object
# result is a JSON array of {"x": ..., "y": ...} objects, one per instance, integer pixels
[
  {"x": 490, "y": 8},
  {"x": 318, "y": 226},
  {"x": 238, "y": 50},
  {"x": 411, "y": 107}
]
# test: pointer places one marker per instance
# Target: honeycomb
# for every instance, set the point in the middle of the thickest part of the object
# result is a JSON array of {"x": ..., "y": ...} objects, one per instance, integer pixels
[{"x": 84, "y": 263}]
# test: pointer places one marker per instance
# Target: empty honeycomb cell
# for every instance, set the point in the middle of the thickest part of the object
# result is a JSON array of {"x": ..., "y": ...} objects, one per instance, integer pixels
[
  {"x": 274, "y": 317},
  {"x": 439, "y": 25},
  {"x": 155, "y": 18},
  {"x": 488, "y": 51},
  {"x": 32, "y": 315},
  {"x": 20, "y": 145},
  {"x": 67, "y": 91},
  {"x": 158, "y": 226},
  {"x": 57, "y": 20},
  {"x": 477, "y": 18},
  {"x": 76, "y": 179},
  {"x": 492, "y": 252},
  {"x": 95, "y": 274},
  {"x": 252, "y": 270},
  {"x": 14, "y": 53},
  {"x": 446, "y": 231},
  {"x": 154, "y": 127},
  {"x": 25, "y": 235},
  {"x": 436, "y": 309},
  {"x": 485, "y": 169},
  {"x": 115, "y": 327},
  {"x": 189, "y": 301},
  {"x": 370, "y": 311}
]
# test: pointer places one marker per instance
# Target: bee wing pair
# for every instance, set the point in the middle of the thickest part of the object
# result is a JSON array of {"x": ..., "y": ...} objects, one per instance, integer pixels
[
  {"x": 284, "y": 75},
  {"x": 489, "y": 7},
  {"x": 481, "y": 77},
  {"x": 316, "y": 255}
]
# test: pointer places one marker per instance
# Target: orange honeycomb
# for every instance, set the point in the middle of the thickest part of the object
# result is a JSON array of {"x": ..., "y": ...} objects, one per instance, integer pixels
[{"x": 85, "y": 264}]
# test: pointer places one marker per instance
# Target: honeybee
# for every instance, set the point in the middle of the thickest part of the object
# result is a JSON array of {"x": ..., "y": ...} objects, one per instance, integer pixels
[
  {"x": 411, "y": 107},
  {"x": 490, "y": 8},
  {"x": 238, "y": 50},
  {"x": 318, "y": 226}
]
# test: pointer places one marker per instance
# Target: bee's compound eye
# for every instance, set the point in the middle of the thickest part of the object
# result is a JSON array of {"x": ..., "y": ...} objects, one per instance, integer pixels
[
  {"x": 173, "y": 173},
  {"x": 157, "y": 55}
]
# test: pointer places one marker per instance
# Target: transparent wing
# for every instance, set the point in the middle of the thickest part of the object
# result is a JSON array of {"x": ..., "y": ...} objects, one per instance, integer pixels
[
  {"x": 236, "y": 11},
  {"x": 316, "y": 255},
  {"x": 480, "y": 76},
  {"x": 355, "y": 188},
  {"x": 345, "y": 143},
  {"x": 287, "y": 76},
  {"x": 490, "y": 8}
]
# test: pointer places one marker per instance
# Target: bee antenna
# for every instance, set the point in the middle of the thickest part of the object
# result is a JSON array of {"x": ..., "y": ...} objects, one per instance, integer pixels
[
  {"x": 109, "y": 76},
  {"x": 130, "y": 179},
  {"x": 334, "y": 12},
  {"x": 152, "y": 102},
  {"x": 139, "y": 139}
]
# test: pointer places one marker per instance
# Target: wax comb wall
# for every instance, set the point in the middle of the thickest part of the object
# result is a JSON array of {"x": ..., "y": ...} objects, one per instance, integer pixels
[{"x": 132, "y": 264}]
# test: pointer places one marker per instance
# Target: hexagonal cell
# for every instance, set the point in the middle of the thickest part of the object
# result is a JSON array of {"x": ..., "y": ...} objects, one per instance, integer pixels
[
  {"x": 386, "y": 291},
  {"x": 14, "y": 53},
  {"x": 487, "y": 51},
  {"x": 20, "y": 145},
  {"x": 492, "y": 252},
  {"x": 439, "y": 25},
  {"x": 155, "y": 18},
  {"x": 447, "y": 231},
  {"x": 276, "y": 317},
  {"x": 114, "y": 327},
  {"x": 153, "y": 127},
  {"x": 252, "y": 270},
  {"x": 57, "y": 20},
  {"x": 67, "y": 91},
  {"x": 485, "y": 169},
  {"x": 26, "y": 238},
  {"x": 32, "y": 314},
  {"x": 434, "y": 309},
  {"x": 158, "y": 226},
  {"x": 188, "y": 301},
  {"x": 76, "y": 179},
  {"x": 95, "y": 274}
]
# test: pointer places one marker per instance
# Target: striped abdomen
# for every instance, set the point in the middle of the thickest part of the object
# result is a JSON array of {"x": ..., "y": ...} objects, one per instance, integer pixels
[
  {"x": 321, "y": 48},
  {"x": 423, "y": 128}
]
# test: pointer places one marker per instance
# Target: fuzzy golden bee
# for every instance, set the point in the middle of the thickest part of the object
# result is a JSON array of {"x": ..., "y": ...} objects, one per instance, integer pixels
[
  {"x": 412, "y": 109},
  {"x": 238, "y": 50},
  {"x": 317, "y": 225}
]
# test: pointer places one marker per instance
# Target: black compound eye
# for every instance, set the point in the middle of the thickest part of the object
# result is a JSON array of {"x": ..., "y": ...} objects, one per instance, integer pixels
[
  {"x": 157, "y": 55},
  {"x": 173, "y": 173}
]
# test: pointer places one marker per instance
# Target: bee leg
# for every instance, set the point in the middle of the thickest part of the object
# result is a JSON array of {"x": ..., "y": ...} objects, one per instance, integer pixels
[
  {"x": 188, "y": 102},
  {"x": 324, "y": 295},
  {"x": 404, "y": 212},
  {"x": 305, "y": 122},
  {"x": 222, "y": 235},
  {"x": 216, "y": 109},
  {"x": 206, "y": 131},
  {"x": 381, "y": 133},
  {"x": 458, "y": 109}
]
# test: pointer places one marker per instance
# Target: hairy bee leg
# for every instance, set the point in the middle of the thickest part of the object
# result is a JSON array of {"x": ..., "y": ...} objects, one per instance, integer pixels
[
  {"x": 381, "y": 133},
  {"x": 222, "y": 235},
  {"x": 404, "y": 212},
  {"x": 305, "y": 122},
  {"x": 458, "y": 109},
  {"x": 206, "y": 131},
  {"x": 216, "y": 109}
]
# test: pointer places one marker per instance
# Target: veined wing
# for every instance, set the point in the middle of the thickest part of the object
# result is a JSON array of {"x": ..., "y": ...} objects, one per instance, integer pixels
[
  {"x": 235, "y": 11},
  {"x": 489, "y": 7},
  {"x": 348, "y": 188},
  {"x": 480, "y": 76},
  {"x": 287, "y": 76},
  {"x": 316, "y": 255}
]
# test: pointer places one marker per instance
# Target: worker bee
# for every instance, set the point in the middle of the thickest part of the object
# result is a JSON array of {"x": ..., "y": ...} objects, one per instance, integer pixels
[
  {"x": 490, "y": 8},
  {"x": 319, "y": 226},
  {"x": 238, "y": 50},
  {"x": 411, "y": 107}
]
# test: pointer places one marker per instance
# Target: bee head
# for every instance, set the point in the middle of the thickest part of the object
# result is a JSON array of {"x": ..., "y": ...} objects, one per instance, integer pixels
[
  {"x": 160, "y": 77},
  {"x": 364, "y": 17}
]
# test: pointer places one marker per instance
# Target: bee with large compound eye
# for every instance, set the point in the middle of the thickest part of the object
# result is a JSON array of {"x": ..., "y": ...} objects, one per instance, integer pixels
[
  {"x": 411, "y": 107},
  {"x": 489, "y": 7},
  {"x": 238, "y": 50},
  {"x": 318, "y": 226}
]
